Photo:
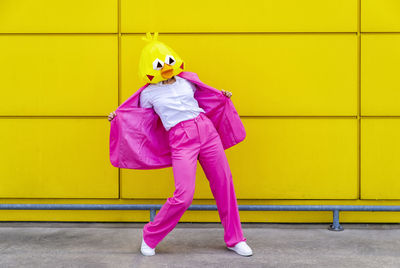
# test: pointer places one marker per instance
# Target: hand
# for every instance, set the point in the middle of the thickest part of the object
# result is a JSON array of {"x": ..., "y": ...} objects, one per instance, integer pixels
[
  {"x": 227, "y": 93},
  {"x": 111, "y": 116}
]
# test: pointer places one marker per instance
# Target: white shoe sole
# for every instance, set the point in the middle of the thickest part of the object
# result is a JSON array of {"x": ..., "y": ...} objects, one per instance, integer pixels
[
  {"x": 246, "y": 254},
  {"x": 147, "y": 253}
]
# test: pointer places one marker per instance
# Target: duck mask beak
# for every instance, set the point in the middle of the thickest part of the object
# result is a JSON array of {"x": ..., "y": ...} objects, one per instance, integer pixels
[{"x": 167, "y": 71}]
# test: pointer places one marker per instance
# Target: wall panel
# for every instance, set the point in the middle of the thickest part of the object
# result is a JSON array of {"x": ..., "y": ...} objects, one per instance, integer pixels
[
  {"x": 380, "y": 157},
  {"x": 58, "y": 74},
  {"x": 380, "y": 80},
  {"x": 277, "y": 74},
  {"x": 281, "y": 158},
  {"x": 56, "y": 158},
  {"x": 380, "y": 15},
  {"x": 61, "y": 16},
  {"x": 231, "y": 16}
]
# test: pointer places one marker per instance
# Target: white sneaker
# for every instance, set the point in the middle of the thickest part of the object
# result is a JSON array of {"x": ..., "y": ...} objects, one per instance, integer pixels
[
  {"x": 242, "y": 248},
  {"x": 146, "y": 250}
]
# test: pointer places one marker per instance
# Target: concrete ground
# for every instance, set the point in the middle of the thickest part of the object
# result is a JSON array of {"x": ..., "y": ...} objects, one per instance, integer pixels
[{"x": 36, "y": 244}]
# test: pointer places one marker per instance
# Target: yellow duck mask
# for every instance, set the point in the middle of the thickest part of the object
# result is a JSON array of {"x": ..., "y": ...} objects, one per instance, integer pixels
[{"x": 158, "y": 62}]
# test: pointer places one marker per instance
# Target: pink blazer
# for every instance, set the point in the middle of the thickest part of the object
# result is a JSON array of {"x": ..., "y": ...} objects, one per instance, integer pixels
[{"x": 138, "y": 140}]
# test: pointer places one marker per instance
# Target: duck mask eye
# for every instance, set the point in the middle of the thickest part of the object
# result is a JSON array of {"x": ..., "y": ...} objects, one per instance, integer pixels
[
  {"x": 169, "y": 60},
  {"x": 158, "y": 64}
]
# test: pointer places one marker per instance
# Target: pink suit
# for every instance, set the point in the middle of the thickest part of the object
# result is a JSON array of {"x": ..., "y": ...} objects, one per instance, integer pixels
[{"x": 203, "y": 138}]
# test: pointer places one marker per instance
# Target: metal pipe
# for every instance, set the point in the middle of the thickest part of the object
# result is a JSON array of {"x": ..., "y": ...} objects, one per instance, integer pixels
[
  {"x": 152, "y": 214},
  {"x": 335, "y": 226}
]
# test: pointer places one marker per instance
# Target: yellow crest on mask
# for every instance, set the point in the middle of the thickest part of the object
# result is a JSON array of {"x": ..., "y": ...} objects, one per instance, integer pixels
[{"x": 158, "y": 62}]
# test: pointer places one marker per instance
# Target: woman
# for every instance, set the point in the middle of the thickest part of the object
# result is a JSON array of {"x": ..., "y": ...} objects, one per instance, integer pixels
[{"x": 192, "y": 136}]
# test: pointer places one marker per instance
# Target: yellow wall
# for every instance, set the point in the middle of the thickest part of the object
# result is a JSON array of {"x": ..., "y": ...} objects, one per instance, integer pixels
[{"x": 315, "y": 82}]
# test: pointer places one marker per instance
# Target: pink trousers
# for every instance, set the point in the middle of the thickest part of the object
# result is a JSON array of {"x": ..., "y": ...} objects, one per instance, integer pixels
[{"x": 190, "y": 140}]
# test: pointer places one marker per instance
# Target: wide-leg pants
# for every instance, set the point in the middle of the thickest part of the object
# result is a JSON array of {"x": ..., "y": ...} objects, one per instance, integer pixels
[{"x": 190, "y": 140}]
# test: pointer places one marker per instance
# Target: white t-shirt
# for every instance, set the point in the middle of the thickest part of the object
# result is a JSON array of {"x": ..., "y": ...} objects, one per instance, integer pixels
[{"x": 172, "y": 102}]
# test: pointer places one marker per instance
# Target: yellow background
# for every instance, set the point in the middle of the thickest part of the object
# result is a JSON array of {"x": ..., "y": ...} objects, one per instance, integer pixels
[{"x": 315, "y": 82}]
